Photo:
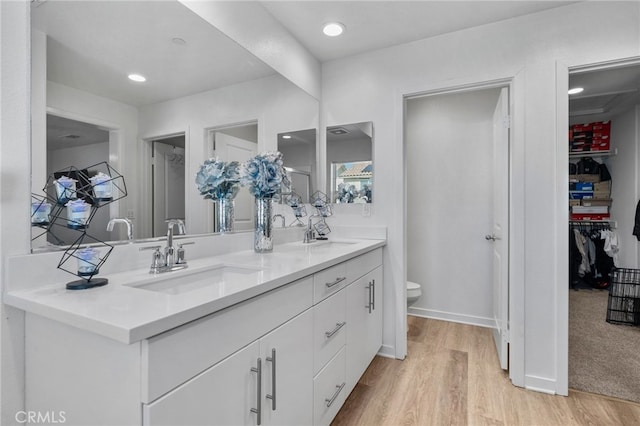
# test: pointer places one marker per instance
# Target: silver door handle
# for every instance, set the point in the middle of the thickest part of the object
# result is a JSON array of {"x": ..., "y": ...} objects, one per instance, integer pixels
[
  {"x": 272, "y": 397},
  {"x": 373, "y": 294},
  {"x": 258, "y": 411},
  {"x": 491, "y": 237}
]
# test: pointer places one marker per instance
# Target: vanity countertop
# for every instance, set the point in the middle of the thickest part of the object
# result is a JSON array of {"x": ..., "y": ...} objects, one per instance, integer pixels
[{"x": 127, "y": 314}]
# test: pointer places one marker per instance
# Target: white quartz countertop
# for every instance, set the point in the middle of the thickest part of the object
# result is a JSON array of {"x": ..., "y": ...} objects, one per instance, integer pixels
[{"x": 126, "y": 313}]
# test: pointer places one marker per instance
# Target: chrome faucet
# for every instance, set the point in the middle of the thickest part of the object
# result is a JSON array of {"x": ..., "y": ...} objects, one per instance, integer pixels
[
  {"x": 310, "y": 234},
  {"x": 169, "y": 250},
  {"x": 124, "y": 220},
  {"x": 280, "y": 216}
]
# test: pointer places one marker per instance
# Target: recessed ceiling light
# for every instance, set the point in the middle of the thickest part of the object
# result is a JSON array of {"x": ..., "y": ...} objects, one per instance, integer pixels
[
  {"x": 575, "y": 90},
  {"x": 286, "y": 136},
  {"x": 137, "y": 78},
  {"x": 333, "y": 29},
  {"x": 179, "y": 41}
]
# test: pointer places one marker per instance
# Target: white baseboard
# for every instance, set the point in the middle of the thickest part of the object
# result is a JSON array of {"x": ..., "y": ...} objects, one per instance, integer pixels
[
  {"x": 387, "y": 351},
  {"x": 540, "y": 384},
  {"x": 452, "y": 317}
]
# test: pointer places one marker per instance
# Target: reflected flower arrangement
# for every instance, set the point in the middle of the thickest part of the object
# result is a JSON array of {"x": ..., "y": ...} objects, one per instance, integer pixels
[
  {"x": 218, "y": 179},
  {"x": 264, "y": 174}
]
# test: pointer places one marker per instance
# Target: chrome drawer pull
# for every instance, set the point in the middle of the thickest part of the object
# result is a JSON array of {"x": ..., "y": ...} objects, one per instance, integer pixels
[
  {"x": 337, "y": 281},
  {"x": 272, "y": 397},
  {"x": 370, "y": 305},
  {"x": 339, "y": 325},
  {"x": 258, "y": 411},
  {"x": 335, "y": 395}
]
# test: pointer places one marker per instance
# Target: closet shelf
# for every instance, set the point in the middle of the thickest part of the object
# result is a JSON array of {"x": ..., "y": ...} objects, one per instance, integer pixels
[{"x": 594, "y": 153}]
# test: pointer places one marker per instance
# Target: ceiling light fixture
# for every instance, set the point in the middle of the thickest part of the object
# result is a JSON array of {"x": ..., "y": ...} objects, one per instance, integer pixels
[
  {"x": 179, "y": 41},
  {"x": 576, "y": 90},
  {"x": 333, "y": 29},
  {"x": 137, "y": 78},
  {"x": 286, "y": 136}
]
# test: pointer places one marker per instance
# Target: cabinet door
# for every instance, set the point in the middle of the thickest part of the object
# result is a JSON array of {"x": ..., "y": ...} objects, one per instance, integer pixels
[
  {"x": 288, "y": 373},
  {"x": 222, "y": 395},
  {"x": 364, "y": 316}
]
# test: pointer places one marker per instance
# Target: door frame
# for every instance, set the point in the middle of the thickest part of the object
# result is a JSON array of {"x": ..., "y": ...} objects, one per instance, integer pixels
[
  {"x": 514, "y": 84},
  {"x": 563, "y": 70}
]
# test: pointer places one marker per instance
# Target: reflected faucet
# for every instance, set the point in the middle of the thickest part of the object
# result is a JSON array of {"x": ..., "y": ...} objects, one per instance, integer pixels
[
  {"x": 310, "y": 234},
  {"x": 124, "y": 220},
  {"x": 169, "y": 250},
  {"x": 280, "y": 216}
]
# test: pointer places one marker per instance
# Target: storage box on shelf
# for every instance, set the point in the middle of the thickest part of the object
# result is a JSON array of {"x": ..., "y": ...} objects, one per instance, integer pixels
[{"x": 590, "y": 137}]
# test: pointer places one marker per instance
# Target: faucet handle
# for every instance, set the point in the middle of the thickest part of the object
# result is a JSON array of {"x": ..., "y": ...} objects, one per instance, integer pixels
[
  {"x": 180, "y": 256},
  {"x": 157, "y": 259}
]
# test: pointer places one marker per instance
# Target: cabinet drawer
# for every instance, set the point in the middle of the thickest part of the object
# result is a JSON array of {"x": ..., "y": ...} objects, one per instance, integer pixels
[
  {"x": 172, "y": 358},
  {"x": 329, "y": 281},
  {"x": 363, "y": 264},
  {"x": 329, "y": 329},
  {"x": 329, "y": 390}
]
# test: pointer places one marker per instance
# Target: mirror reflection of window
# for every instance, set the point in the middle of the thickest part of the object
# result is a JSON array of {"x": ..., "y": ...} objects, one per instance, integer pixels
[
  {"x": 352, "y": 182},
  {"x": 350, "y": 163}
]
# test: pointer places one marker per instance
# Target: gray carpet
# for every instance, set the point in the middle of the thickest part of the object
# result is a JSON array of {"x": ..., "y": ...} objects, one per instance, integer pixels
[{"x": 603, "y": 358}]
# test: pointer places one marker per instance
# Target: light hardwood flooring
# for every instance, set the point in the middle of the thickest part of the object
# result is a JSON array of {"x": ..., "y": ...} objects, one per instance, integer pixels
[{"x": 451, "y": 376}]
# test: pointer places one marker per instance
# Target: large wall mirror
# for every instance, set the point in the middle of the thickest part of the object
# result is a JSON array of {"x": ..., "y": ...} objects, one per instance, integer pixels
[
  {"x": 298, "y": 150},
  {"x": 350, "y": 163},
  {"x": 198, "y": 81}
]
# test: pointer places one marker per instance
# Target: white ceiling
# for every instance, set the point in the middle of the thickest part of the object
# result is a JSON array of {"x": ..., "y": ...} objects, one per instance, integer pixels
[
  {"x": 93, "y": 45},
  {"x": 372, "y": 25}
]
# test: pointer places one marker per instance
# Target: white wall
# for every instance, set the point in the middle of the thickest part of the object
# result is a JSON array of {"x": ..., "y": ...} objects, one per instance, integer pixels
[
  {"x": 449, "y": 152},
  {"x": 274, "y": 102},
  {"x": 624, "y": 176},
  {"x": 15, "y": 187},
  {"x": 529, "y": 50}
]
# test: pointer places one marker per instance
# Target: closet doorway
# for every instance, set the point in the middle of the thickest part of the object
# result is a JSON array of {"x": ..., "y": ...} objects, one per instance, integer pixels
[
  {"x": 457, "y": 164},
  {"x": 168, "y": 181},
  {"x": 603, "y": 356}
]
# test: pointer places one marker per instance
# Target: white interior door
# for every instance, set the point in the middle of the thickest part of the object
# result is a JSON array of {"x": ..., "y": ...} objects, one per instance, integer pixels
[
  {"x": 500, "y": 233},
  {"x": 231, "y": 148}
]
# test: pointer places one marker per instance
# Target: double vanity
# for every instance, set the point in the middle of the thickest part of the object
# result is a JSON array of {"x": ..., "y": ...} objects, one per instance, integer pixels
[{"x": 235, "y": 338}]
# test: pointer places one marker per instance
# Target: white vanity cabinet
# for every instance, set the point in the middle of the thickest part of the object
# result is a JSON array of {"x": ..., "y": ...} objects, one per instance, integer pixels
[
  {"x": 289, "y": 356},
  {"x": 364, "y": 316},
  {"x": 266, "y": 382}
]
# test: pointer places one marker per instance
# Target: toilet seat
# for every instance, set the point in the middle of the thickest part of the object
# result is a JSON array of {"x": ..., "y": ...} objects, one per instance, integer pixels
[{"x": 412, "y": 286}]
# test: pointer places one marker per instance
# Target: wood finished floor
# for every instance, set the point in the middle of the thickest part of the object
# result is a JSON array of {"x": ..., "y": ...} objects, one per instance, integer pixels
[{"x": 451, "y": 376}]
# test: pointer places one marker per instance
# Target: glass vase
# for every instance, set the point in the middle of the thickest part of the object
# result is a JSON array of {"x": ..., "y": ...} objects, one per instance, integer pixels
[
  {"x": 224, "y": 215},
  {"x": 262, "y": 239}
]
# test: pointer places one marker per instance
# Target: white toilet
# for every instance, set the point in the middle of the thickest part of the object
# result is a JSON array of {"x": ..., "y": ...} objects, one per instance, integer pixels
[{"x": 413, "y": 292}]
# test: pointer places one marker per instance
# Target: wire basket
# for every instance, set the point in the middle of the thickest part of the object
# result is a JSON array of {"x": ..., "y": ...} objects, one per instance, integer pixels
[{"x": 624, "y": 297}]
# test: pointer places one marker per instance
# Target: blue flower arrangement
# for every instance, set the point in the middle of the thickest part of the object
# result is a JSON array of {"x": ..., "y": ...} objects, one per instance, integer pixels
[
  {"x": 218, "y": 179},
  {"x": 264, "y": 174}
]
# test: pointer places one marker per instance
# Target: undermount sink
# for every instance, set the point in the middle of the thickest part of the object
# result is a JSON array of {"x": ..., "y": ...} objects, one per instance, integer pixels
[
  {"x": 179, "y": 282},
  {"x": 318, "y": 245}
]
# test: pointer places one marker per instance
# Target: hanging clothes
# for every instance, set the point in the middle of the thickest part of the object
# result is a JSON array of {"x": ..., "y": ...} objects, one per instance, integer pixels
[{"x": 593, "y": 253}]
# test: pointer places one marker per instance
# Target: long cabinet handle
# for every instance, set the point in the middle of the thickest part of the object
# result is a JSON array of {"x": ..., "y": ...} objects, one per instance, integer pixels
[
  {"x": 369, "y": 304},
  {"x": 336, "y": 282},
  {"x": 272, "y": 396},
  {"x": 339, "y": 325},
  {"x": 373, "y": 294},
  {"x": 329, "y": 401},
  {"x": 258, "y": 411}
]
